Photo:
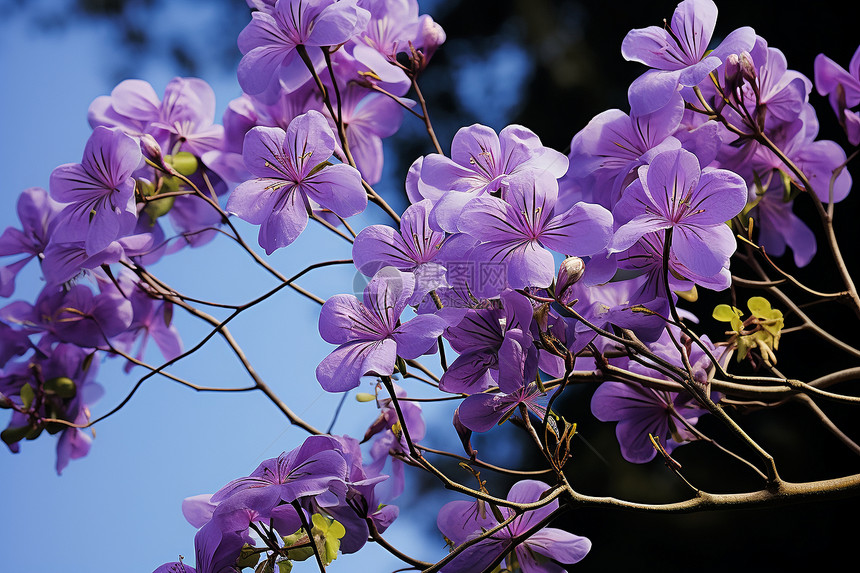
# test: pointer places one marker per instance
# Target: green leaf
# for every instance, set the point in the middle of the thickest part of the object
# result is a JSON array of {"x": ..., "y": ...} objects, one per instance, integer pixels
[
  {"x": 365, "y": 397},
  {"x": 401, "y": 365},
  {"x": 300, "y": 553},
  {"x": 144, "y": 187},
  {"x": 789, "y": 190},
  {"x": 13, "y": 435},
  {"x": 184, "y": 162},
  {"x": 726, "y": 313},
  {"x": 249, "y": 557},
  {"x": 759, "y": 307},
  {"x": 336, "y": 529},
  {"x": 27, "y": 396},
  {"x": 158, "y": 208},
  {"x": 35, "y": 432},
  {"x": 61, "y": 386},
  {"x": 329, "y": 532}
]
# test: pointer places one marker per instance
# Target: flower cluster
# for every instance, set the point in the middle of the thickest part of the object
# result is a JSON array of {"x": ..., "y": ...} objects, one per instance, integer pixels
[
  {"x": 324, "y": 477},
  {"x": 515, "y": 263}
]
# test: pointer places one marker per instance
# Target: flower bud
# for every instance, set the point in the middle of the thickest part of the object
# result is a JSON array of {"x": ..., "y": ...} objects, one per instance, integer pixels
[
  {"x": 151, "y": 149},
  {"x": 734, "y": 78},
  {"x": 569, "y": 273},
  {"x": 748, "y": 68},
  {"x": 430, "y": 36},
  {"x": 465, "y": 435}
]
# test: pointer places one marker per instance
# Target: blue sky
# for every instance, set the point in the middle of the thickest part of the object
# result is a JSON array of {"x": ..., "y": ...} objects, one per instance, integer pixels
[{"x": 119, "y": 508}]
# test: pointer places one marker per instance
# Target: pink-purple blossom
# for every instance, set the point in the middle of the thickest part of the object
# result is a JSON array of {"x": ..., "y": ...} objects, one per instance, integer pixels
[
  {"x": 678, "y": 53},
  {"x": 370, "y": 334},
  {"x": 539, "y": 552},
  {"x": 291, "y": 169}
]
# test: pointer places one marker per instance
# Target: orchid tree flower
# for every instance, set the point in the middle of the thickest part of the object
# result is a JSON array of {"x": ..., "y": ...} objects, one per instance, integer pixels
[
  {"x": 291, "y": 169},
  {"x": 541, "y": 552},
  {"x": 268, "y": 43},
  {"x": 414, "y": 248},
  {"x": 481, "y": 162},
  {"x": 520, "y": 230},
  {"x": 518, "y": 370},
  {"x": 37, "y": 213},
  {"x": 370, "y": 334},
  {"x": 843, "y": 90},
  {"x": 678, "y": 53},
  {"x": 99, "y": 191},
  {"x": 674, "y": 193}
]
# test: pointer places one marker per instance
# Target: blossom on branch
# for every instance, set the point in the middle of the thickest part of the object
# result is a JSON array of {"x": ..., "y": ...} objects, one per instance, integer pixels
[
  {"x": 369, "y": 333},
  {"x": 292, "y": 170},
  {"x": 539, "y": 552}
]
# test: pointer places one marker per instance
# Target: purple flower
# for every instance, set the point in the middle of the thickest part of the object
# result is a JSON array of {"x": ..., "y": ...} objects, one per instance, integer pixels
[
  {"x": 818, "y": 160},
  {"x": 612, "y": 304},
  {"x": 540, "y": 552},
  {"x": 518, "y": 368},
  {"x": 69, "y": 401},
  {"x": 673, "y": 193},
  {"x": 389, "y": 439},
  {"x": 646, "y": 256},
  {"x": 779, "y": 227},
  {"x": 779, "y": 92},
  {"x": 269, "y": 41},
  {"x": 393, "y": 25},
  {"x": 311, "y": 469},
  {"x": 369, "y": 117},
  {"x": 12, "y": 343},
  {"x": 370, "y": 335},
  {"x": 77, "y": 315},
  {"x": 132, "y": 106},
  {"x": 219, "y": 542},
  {"x": 413, "y": 249},
  {"x": 843, "y": 89},
  {"x": 478, "y": 338},
  {"x": 678, "y": 53},
  {"x": 175, "y": 567},
  {"x": 187, "y": 113},
  {"x": 362, "y": 500},
  {"x": 182, "y": 121},
  {"x": 518, "y": 231},
  {"x": 198, "y": 509},
  {"x": 613, "y": 145},
  {"x": 151, "y": 319},
  {"x": 640, "y": 411},
  {"x": 291, "y": 169},
  {"x": 323, "y": 475},
  {"x": 65, "y": 260},
  {"x": 481, "y": 162},
  {"x": 99, "y": 191},
  {"x": 37, "y": 213}
]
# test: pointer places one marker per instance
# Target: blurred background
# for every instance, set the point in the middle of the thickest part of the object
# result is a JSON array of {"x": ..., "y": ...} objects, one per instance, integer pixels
[{"x": 549, "y": 65}]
